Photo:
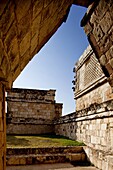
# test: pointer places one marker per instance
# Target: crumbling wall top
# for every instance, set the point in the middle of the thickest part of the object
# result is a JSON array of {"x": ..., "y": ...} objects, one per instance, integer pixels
[{"x": 32, "y": 95}]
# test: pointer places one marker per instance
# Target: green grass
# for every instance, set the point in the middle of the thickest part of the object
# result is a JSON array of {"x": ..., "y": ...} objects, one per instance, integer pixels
[{"x": 40, "y": 141}]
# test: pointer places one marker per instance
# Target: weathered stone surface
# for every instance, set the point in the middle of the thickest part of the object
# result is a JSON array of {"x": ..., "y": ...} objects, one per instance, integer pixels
[
  {"x": 14, "y": 28},
  {"x": 58, "y": 166},
  {"x": 100, "y": 34},
  {"x": 92, "y": 122},
  {"x": 89, "y": 75},
  {"x": 103, "y": 60},
  {"x": 30, "y": 156},
  {"x": 25, "y": 26},
  {"x": 106, "y": 23},
  {"x": 95, "y": 133},
  {"x": 97, "y": 31},
  {"x": 32, "y": 111}
]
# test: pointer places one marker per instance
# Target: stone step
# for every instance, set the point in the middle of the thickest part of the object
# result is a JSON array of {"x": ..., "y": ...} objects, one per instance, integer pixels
[
  {"x": 32, "y": 159},
  {"x": 52, "y": 150},
  {"x": 55, "y": 166}
]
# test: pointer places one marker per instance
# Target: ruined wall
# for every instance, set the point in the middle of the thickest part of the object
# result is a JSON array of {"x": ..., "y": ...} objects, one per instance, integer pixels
[
  {"x": 92, "y": 122},
  {"x": 31, "y": 111},
  {"x": 98, "y": 25}
]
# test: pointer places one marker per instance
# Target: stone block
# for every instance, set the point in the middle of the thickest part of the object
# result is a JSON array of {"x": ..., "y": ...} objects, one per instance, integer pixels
[
  {"x": 11, "y": 34},
  {"x": 109, "y": 68},
  {"x": 16, "y": 72},
  {"x": 1, "y": 162},
  {"x": 7, "y": 18},
  {"x": 22, "y": 161},
  {"x": 110, "y": 120},
  {"x": 110, "y": 162},
  {"x": 103, "y": 126},
  {"x": 24, "y": 59},
  {"x": 46, "y": 3},
  {"x": 1, "y": 139},
  {"x": 99, "y": 163},
  {"x": 103, "y": 60},
  {"x": 37, "y": 8},
  {"x": 23, "y": 26},
  {"x": 76, "y": 157},
  {"x": 1, "y": 51},
  {"x": 103, "y": 141},
  {"x": 98, "y": 33},
  {"x": 93, "y": 139},
  {"x": 34, "y": 45},
  {"x": 2, "y": 7},
  {"x": 14, "y": 56},
  {"x": 106, "y": 22},
  {"x": 111, "y": 125},
  {"x": 22, "y": 8},
  {"x": 1, "y": 124},
  {"x": 104, "y": 165},
  {"x": 111, "y": 51},
  {"x": 25, "y": 45},
  {"x": 13, "y": 161},
  {"x": 101, "y": 9},
  {"x": 108, "y": 55},
  {"x": 111, "y": 34},
  {"x": 105, "y": 43},
  {"x": 1, "y": 109},
  {"x": 111, "y": 63},
  {"x": 88, "y": 28},
  {"x": 5, "y": 66}
]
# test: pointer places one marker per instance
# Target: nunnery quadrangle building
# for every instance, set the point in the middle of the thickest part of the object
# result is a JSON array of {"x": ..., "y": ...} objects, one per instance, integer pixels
[{"x": 25, "y": 26}]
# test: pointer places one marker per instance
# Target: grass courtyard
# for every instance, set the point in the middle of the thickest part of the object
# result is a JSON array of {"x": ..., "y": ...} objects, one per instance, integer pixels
[{"x": 39, "y": 141}]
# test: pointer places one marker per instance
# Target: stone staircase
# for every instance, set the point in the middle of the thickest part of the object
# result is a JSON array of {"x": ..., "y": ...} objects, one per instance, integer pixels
[{"x": 33, "y": 156}]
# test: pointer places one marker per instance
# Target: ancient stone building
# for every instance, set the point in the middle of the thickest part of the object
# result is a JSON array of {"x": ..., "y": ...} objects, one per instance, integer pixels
[
  {"x": 25, "y": 26},
  {"x": 98, "y": 26},
  {"x": 92, "y": 122},
  {"x": 91, "y": 86},
  {"x": 31, "y": 111}
]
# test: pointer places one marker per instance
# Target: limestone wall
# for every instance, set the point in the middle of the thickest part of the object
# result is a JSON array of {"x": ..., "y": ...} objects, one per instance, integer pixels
[
  {"x": 98, "y": 25},
  {"x": 92, "y": 122},
  {"x": 91, "y": 85},
  {"x": 31, "y": 111},
  {"x": 93, "y": 126}
]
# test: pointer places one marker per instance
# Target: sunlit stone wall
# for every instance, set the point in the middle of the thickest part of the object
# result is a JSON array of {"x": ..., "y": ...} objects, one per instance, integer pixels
[
  {"x": 31, "y": 111},
  {"x": 92, "y": 122},
  {"x": 91, "y": 86}
]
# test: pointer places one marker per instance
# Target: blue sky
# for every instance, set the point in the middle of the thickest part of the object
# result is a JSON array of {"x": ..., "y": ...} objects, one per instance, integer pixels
[{"x": 52, "y": 67}]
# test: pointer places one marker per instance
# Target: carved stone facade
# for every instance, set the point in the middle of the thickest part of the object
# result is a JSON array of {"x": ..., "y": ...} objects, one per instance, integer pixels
[
  {"x": 98, "y": 25},
  {"x": 31, "y": 111},
  {"x": 91, "y": 84},
  {"x": 92, "y": 122}
]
